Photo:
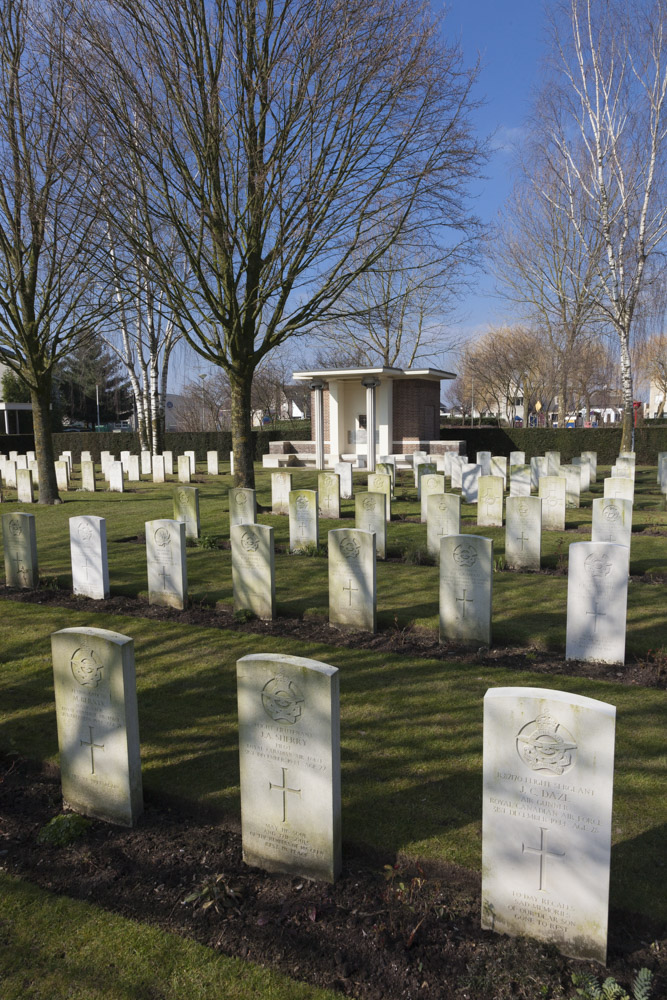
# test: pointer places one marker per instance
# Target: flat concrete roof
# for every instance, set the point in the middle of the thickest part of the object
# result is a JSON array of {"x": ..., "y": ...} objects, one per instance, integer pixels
[{"x": 356, "y": 374}]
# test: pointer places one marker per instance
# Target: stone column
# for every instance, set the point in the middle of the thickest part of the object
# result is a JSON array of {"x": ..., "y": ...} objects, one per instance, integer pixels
[
  {"x": 370, "y": 385},
  {"x": 318, "y": 419}
]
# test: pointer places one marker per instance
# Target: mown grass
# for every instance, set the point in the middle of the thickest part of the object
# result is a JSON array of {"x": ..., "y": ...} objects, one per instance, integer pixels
[{"x": 54, "y": 948}]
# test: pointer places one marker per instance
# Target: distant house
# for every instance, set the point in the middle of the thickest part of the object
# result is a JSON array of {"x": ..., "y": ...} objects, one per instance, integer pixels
[{"x": 15, "y": 418}]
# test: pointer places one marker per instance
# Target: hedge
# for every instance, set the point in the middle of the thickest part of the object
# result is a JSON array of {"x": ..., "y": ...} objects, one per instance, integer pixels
[{"x": 606, "y": 441}]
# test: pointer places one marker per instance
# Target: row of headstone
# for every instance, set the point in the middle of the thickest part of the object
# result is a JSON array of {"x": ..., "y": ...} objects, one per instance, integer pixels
[{"x": 548, "y": 763}]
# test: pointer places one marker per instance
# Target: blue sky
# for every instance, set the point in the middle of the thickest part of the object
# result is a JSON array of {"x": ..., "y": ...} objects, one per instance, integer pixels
[{"x": 509, "y": 36}]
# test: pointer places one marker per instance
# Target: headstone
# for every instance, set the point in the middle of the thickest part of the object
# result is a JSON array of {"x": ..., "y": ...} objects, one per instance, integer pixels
[
  {"x": 34, "y": 468},
  {"x": 67, "y": 455},
  {"x": 303, "y": 520},
  {"x": 621, "y": 489},
  {"x": 623, "y": 470},
  {"x": 378, "y": 482},
  {"x": 105, "y": 458},
  {"x": 553, "y": 497},
  {"x": 466, "y": 573},
  {"x": 352, "y": 579},
  {"x": 490, "y": 502},
  {"x": 430, "y": 484},
  {"x": 517, "y": 458},
  {"x": 289, "y": 755},
  {"x": 193, "y": 461},
  {"x": 133, "y": 475},
  {"x": 212, "y": 463},
  {"x": 470, "y": 473},
  {"x": 88, "y": 551},
  {"x": 167, "y": 567},
  {"x": 519, "y": 480},
  {"x": 22, "y": 464},
  {"x": 523, "y": 533},
  {"x": 281, "y": 486},
  {"x": 20, "y": 547},
  {"x": 116, "y": 483},
  {"x": 418, "y": 458},
  {"x": 483, "y": 459},
  {"x": 499, "y": 468},
  {"x": 592, "y": 457},
  {"x": 231, "y": 463},
  {"x": 328, "y": 491},
  {"x": 546, "y": 818},
  {"x": 13, "y": 455},
  {"x": 553, "y": 463},
  {"x": 458, "y": 461},
  {"x": 387, "y": 469},
  {"x": 612, "y": 522},
  {"x": 98, "y": 723},
  {"x": 344, "y": 472},
  {"x": 168, "y": 457},
  {"x": 242, "y": 506},
  {"x": 662, "y": 462},
  {"x": 86, "y": 456},
  {"x": 369, "y": 515},
  {"x": 424, "y": 469},
  {"x": 597, "y": 598},
  {"x": 30, "y": 455},
  {"x": 443, "y": 517},
  {"x": 62, "y": 475},
  {"x": 158, "y": 469},
  {"x": 125, "y": 460},
  {"x": 585, "y": 473},
  {"x": 146, "y": 463},
  {"x": 253, "y": 569},
  {"x": 662, "y": 482},
  {"x": 538, "y": 468},
  {"x": 88, "y": 477},
  {"x": 186, "y": 509},
  {"x": 24, "y": 490},
  {"x": 572, "y": 476},
  {"x": 183, "y": 469}
]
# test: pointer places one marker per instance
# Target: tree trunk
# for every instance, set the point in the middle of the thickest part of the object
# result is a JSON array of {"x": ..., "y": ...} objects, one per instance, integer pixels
[
  {"x": 41, "y": 420},
  {"x": 242, "y": 446},
  {"x": 626, "y": 381}
]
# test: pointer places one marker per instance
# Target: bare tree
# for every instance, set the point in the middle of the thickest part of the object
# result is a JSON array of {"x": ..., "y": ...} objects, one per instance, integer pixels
[
  {"x": 545, "y": 266},
  {"x": 289, "y": 146},
  {"x": 50, "y": 296},
  {"x": 607, "y": 137}
]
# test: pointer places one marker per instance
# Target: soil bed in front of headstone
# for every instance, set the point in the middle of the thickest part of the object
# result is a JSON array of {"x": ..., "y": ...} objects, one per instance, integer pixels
[
  {"x": 382, "y": 932},
  {"x": 408, "y": 641}
]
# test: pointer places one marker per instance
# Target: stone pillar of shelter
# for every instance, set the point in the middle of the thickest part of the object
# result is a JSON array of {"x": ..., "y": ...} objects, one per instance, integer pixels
[{"x": 318, "y": 422}]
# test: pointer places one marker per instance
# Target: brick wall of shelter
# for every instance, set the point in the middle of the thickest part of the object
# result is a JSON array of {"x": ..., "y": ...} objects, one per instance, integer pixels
[{"x": 416, "y": 411}]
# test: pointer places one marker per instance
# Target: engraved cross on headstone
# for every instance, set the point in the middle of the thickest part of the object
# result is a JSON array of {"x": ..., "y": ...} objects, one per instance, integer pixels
[
  {"x": 544, "y": 854},
  {"x": 284, "y": 789},
  {"x": 166, "y": 579},
  {"x": 349, "y": 591},
  {"x": 522, "y": 538},
  {"x": 464, "y": 600},
  {"x": 596, "y": 614},
  {"x": 93, "y": 747}
]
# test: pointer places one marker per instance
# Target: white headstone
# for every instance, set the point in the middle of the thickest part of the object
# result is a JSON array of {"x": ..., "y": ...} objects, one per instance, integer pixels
[
  {"x": 168, "y": 457},
  {"x": 519, "y": 480},
  {"x": 24, "y": 490},
  {"x": 352, "y": 579},
  {"x": 20, "y": 548},
  {"x": 490, "y": 502},
  {"x": 186, "y": 509},
  {"x": 116, "y": 483},
  {"x": 483, "y": 459},
  {"x": 158, "y": 469},
  {"x": 572, "y": 476},
  {"x": 344, "y": 472},
  {"x": 597, "y": 599},
  {"x": 167, "y": 567},
  {"x": 212, "y": 463},
  {"x": 88, "y": 477},
  {"x": 86, "y": 456},
  {"x": 289, "y": 755},
  {"x": 146, "y": 463},
  {"x": 125, "y": 460},
  {"x": 133, "y": 474},
  {"x": 612, "y": 522},
  {"x": 423, "y": 469},
  {"x": 22, "y": 463},
  {"x": 242, "y": 506},
  {"x": 466, "y": 573},
  {"x": 585, "y": 469},
  {"x": 34, "y": 468},
  {"x": 183, "y": 469},
  {"x": 499, "y": 468},
  {"x": 303, "y": 520},
  {"x": 538, "y": 468},
  {"x": 98, "y": 723},
  {"x": 552, "y": 495},
  {"x": 193, "y": 461},
  {"x": 458, "y": 461},
  {"x": 369, "y": 514},
  {"x": 470, "y": 473},
  {"x": 231, "y": 463},
  {"x": 621, "y": 489},
  {"x": 430, "y": 484},
  {"x": 443, "y": 517},
  {"x": 523, "y": 533},
  {"x": 253, "y": 569},
  {"x": 62, "y": 475},
  {"x": 281, "y": 486},
  {"x": 328, "y": 492},
  {"x": 592, "y": 457},
  {"x": 379, "y": 482},
  {"x": 517, "y": 458},
  {"x": 553, "y": 463},
  {"x": 546, "y": 817},
  {"x": 88, "y": 550}
]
